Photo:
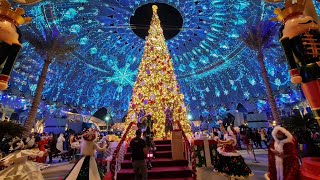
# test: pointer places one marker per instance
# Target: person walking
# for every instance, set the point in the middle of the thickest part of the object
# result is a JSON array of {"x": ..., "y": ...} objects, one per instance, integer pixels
[
  {"x": 60, "y": 142},
  {"x": 52, "y": 148},
  {"x": 258, "y": 138},
  {"x": 254, "y": 137},
  {"x": 264, "y": 137},
  {"x": 139, "y": 151}
]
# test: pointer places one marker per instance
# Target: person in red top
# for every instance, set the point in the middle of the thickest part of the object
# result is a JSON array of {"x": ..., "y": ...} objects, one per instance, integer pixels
[{"x": 41, "y": 143}]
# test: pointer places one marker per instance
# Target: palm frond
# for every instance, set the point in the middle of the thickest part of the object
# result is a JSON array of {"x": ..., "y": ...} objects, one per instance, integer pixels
[
  {"x": 259, "y": 35},
  {"x": 51, "y": 43}
]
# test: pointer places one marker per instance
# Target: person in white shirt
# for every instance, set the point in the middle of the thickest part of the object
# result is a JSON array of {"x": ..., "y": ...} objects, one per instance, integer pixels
[
  {"x": 30, "y": 141},
  {"x": 60, "y": 141}
]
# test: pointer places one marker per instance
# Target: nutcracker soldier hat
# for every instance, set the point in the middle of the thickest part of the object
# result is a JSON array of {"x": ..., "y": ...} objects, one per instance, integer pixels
[
  {"x": 289, "y": 11},
  {"x": 14, "y": 16}
]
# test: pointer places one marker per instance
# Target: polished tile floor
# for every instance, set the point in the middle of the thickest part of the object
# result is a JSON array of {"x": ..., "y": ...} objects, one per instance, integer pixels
[
  {"x": 59, "y": 171},
  {"x": 259, "y": 169}
]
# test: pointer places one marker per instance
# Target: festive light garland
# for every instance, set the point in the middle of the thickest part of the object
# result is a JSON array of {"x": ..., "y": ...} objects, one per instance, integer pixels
[
  {"x": 116, "y": 151},
  {"x": 156, "y": 87}
]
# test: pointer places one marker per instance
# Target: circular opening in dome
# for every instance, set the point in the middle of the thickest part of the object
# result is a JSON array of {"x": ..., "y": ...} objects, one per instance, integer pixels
[{"x": 170, "y": 17}]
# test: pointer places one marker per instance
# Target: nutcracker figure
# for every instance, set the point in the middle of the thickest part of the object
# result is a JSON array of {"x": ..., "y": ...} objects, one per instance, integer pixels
[
  {"x": 10, "y": 39},
  {"x": 300, "y": 39}
]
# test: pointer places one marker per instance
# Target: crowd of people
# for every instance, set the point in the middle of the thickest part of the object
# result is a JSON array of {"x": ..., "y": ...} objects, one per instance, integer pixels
[
  {"x": 250, "y": 135},
  {"x": 43, "y": 147},
  {"x": 65, "y": 145},
  {"x": 257, "y": 136},
  {"x": 68, "y": 144}
]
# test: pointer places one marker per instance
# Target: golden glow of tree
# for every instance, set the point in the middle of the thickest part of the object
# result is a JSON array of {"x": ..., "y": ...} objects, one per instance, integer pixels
[{"x": 156, "y": 86}]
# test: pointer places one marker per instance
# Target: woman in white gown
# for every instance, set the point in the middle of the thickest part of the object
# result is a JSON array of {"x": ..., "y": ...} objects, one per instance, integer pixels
[
  {"x": 18, "y": 165},
  {"x": 86, "y": 168}
]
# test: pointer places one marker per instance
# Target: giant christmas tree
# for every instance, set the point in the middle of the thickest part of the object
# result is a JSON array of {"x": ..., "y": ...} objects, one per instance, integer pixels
[{"x": 156, "y": 87}]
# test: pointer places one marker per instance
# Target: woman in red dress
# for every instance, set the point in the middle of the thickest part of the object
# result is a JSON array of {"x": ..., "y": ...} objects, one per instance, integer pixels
[
  {"x": 229, "y": 162},
  {"x": 41, "y": 143}
]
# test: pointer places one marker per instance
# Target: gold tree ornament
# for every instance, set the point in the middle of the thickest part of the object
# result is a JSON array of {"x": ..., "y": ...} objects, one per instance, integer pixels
[
  {"x": 15, "y": 16},
  {"x": 155, "y": 8}
]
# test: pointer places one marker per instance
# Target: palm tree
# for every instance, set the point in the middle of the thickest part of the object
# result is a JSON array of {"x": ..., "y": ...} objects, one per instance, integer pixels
[
  {"x": 258, "y": 37},
  {"x": 51, "y": 46}
]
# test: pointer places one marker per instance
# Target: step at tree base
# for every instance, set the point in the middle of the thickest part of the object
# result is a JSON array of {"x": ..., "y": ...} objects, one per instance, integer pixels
[
  {"x": 174, "y": 179},
  {"x": 158, "y": 142},
  {"x": 158, "y": 162},
  {"x": 164, "y": 167},
  {"x": 160, "y": 147},
  {"x": 156, "y": 172},
  {"x": 158, "y": 154}
]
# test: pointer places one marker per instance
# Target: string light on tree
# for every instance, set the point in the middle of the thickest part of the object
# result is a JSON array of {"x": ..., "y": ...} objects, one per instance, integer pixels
[{"x": 156, "y": 86}]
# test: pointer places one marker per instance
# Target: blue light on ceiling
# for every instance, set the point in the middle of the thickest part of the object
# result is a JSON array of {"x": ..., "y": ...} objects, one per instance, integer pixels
[{"x": 207, "y": 53}]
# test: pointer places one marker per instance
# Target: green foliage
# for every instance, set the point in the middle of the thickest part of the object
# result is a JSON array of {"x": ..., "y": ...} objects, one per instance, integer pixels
[
  {"x": 301, "y": 126},
  {"x": 10, "y": 128}
]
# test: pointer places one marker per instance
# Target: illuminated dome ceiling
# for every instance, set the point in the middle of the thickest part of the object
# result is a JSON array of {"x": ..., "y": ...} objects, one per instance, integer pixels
[{"x": 212, "y": 65}]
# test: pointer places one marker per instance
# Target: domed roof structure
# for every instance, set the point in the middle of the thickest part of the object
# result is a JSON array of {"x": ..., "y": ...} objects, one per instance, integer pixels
[{"x": 213, "y": 66}]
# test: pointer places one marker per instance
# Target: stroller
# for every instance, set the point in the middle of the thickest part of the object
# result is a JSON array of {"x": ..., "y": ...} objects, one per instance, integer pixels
[
  {"x": 64, "y": 155},
  {"x": 151, "y": 146}
]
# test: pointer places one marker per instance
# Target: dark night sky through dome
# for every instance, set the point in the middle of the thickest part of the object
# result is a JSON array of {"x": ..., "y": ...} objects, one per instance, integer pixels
[{"x": 213, "y": 67}]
